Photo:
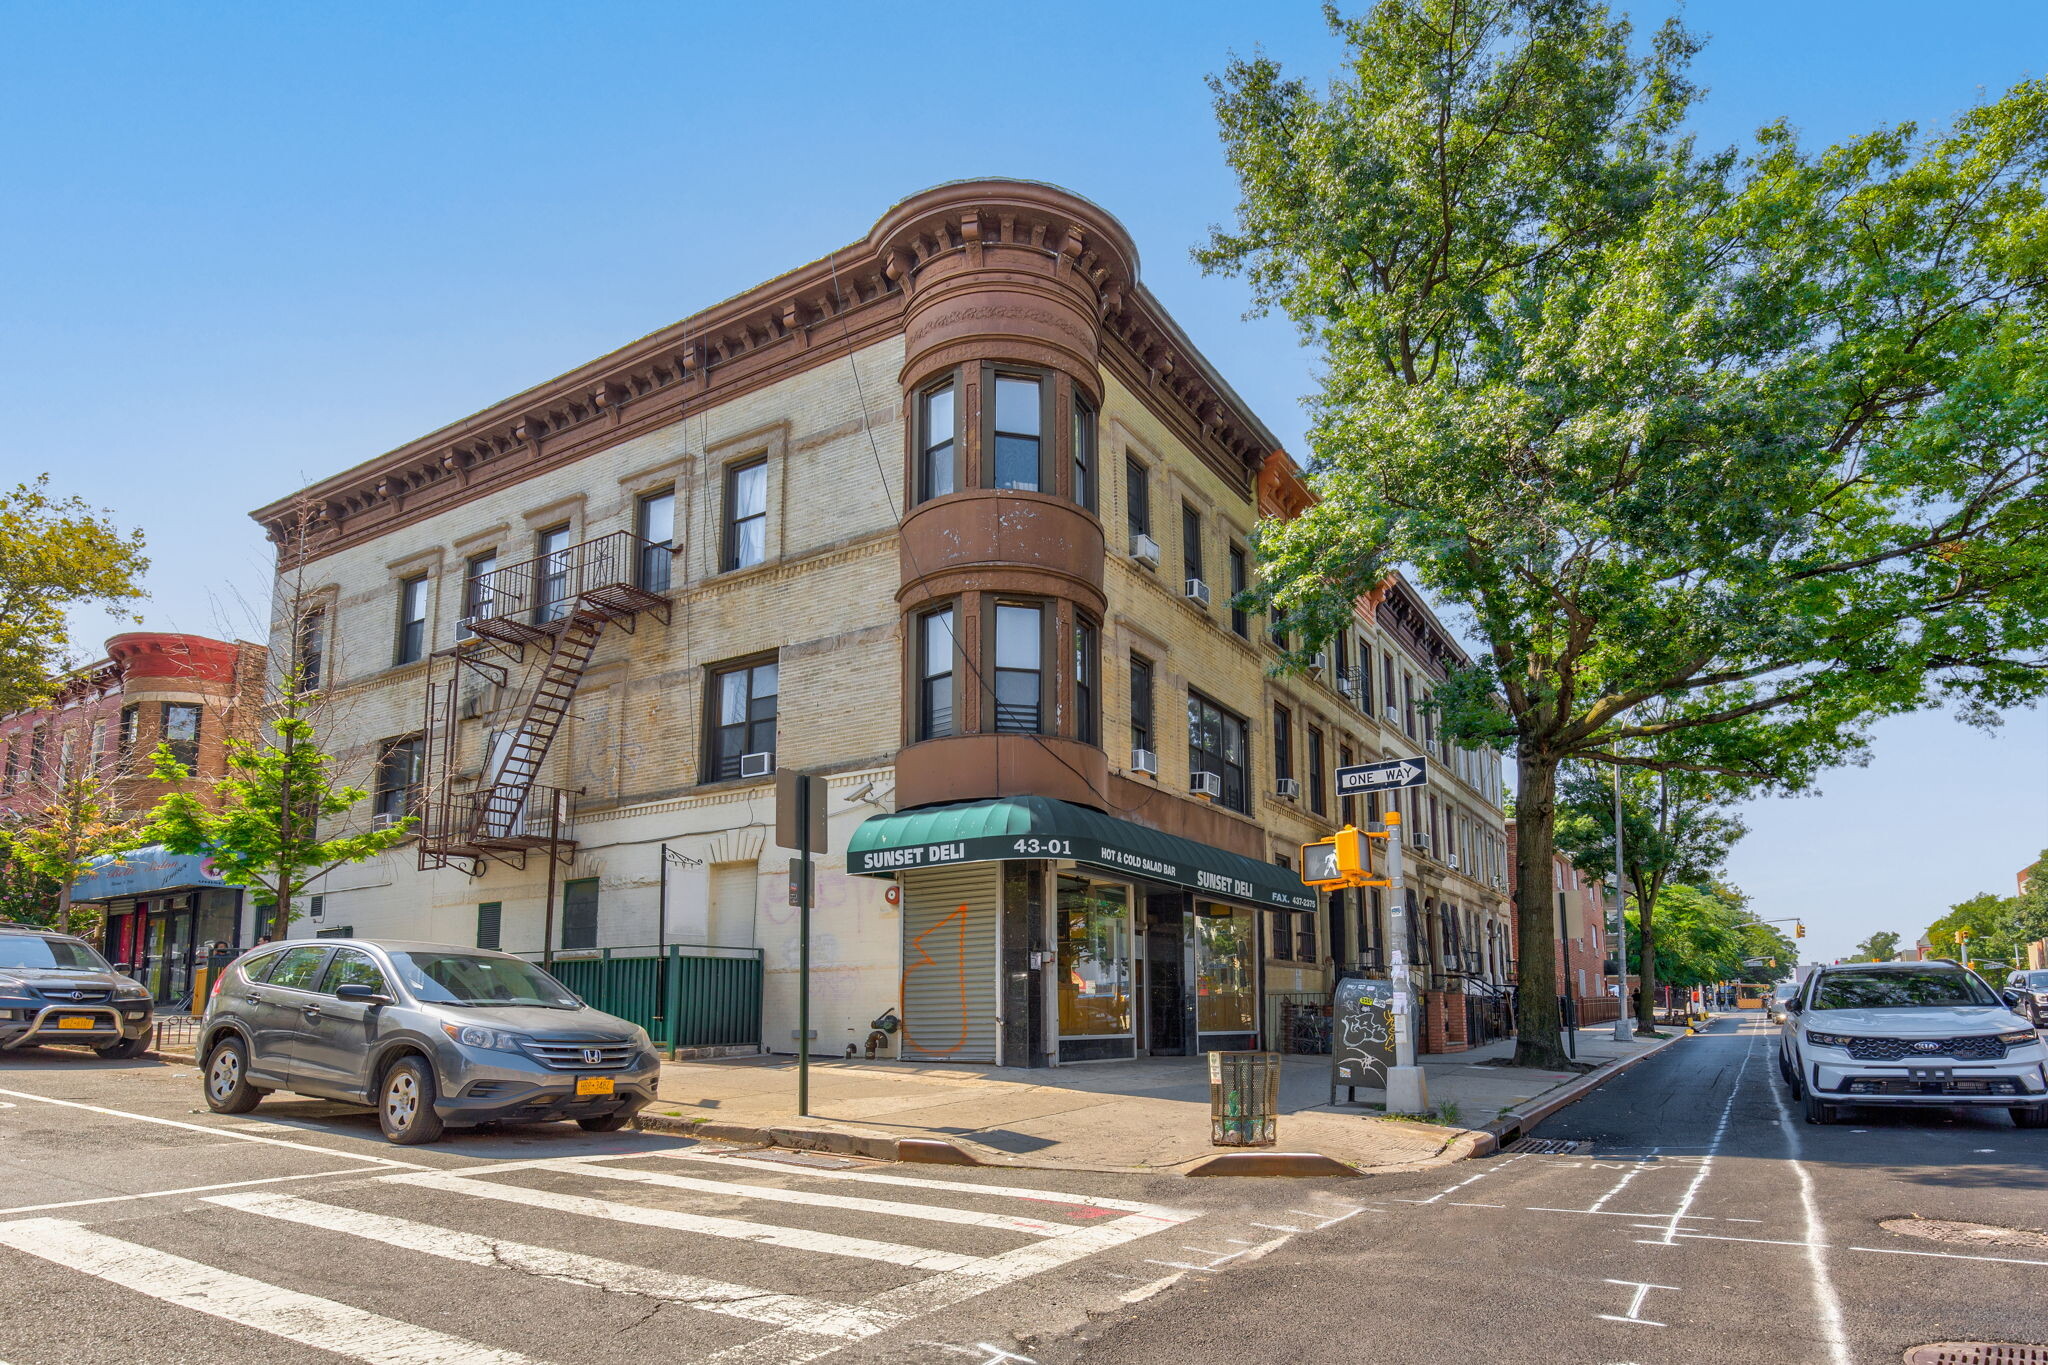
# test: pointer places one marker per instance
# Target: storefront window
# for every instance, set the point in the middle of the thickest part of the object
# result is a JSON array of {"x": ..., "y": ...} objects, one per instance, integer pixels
[
  {"x": 1225, "y": 955},
  {"x": 1094, "y": 928}
]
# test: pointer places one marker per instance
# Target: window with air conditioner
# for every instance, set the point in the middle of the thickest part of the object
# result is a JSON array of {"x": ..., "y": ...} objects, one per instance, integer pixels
[
  {"x": 1144, "y": 549},
  {"x": 1219, "y": 748},
  {"x": 1144, "y": 758},
  {"x": 1287, "y": 787},
  {"x": 743, "y": 713},
  {"x": 1197, "y": 592},
  {"x": 1207, "y": 784},
  {"x": 1145, "y": 761},
  {"x": 1191, "y": 554}
]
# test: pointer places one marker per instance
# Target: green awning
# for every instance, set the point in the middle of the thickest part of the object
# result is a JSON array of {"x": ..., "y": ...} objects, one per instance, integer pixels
[{"x": 1040, "y": 827}]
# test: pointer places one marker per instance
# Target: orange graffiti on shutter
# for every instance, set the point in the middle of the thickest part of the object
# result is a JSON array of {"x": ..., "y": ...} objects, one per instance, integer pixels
[{"x": 925, "y": 959}]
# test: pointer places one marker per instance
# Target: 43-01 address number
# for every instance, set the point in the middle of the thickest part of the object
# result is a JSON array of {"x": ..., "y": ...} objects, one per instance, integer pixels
[{"x": 1059, "y": 848}]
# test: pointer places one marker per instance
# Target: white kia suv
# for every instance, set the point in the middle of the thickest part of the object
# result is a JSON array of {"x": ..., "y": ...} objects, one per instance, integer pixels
[{"x": 1922, "y": 1033}]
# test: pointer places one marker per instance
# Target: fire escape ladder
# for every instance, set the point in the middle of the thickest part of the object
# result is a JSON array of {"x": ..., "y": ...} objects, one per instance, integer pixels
[{"x": 501, "y": 807}]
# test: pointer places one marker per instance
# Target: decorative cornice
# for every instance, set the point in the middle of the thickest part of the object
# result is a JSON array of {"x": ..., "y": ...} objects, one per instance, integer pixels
[{"x": 817, "y": 313}]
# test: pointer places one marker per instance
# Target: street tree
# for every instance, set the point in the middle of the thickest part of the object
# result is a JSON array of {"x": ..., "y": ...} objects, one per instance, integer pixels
[
  {"x": 56, "y": 554},
  {"x": 68, "y": 813},
  {"x": 279, "y": 792},
  {"x": 1882, "y": 946},
  {"x": 2026, "y": 915},
  {"x": 1709, "y": 938},
  {"x": 1676, "y": 827},
  {"x": 1691, "y": 437},
  {"x": 1974, "y": 930}
]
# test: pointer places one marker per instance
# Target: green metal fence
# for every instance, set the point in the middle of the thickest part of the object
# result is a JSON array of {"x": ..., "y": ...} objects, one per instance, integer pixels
[{"x": 689, "y": 996}]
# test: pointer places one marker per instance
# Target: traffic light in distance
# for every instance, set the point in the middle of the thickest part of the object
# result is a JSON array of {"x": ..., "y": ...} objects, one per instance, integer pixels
[{"x": 1798, "y": 930}]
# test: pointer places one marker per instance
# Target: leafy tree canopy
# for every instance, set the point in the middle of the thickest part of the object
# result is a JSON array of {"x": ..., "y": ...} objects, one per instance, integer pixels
[
  {"x": 55, "y": 554},
  {"x": 2026, "y": 915},
  {"x": 1882, "y": 946},
  {"x": 1978, "y": 926}
]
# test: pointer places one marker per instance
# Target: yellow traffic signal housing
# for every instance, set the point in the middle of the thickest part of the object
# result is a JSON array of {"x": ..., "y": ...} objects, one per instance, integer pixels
[
  {"x": 1799, "y": 931},
  {"x": 1338, "y": 861}
]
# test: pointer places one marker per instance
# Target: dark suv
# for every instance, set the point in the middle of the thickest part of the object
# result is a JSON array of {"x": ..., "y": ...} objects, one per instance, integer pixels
[{"x": 55, "y": 989}]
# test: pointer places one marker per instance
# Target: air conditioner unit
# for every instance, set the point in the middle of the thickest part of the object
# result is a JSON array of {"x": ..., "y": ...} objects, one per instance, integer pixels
[
  {"x": 1451, "y": 861},
  {"x": 1144, "y": 761},
  {"x": 1207, "y": 784},
  {"x": 1287, "y": 787},
  {"x": 1419, "y": 841},
  {"x": 1393, "y": 712},
  {"x": 1198, "y": 591},
  {"x": 385, "y": 819},
  {"x": 1144, "y": 549},
  {"x": 756, "y": 765},
  {"x": 1345, "y": 685}
]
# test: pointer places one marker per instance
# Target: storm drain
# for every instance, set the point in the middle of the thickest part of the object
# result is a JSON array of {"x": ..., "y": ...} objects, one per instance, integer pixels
[
  {"x": 1549, "y": 1146},
  {"x": 1977, "y": 1353},
  {"x": 1966, "y": 1234}
]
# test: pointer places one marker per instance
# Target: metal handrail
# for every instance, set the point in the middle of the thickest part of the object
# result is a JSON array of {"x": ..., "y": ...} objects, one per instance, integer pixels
[{"x": 546, "y": 587}]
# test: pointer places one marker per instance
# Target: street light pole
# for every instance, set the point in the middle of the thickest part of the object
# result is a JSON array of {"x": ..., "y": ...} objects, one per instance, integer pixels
[
  {"x": 1624, "y": 1022},
  {"x": 1407, "y": 1083}
]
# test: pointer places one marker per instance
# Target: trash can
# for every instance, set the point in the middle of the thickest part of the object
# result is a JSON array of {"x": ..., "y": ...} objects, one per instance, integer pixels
[{"x": 1244, "y": 1096}]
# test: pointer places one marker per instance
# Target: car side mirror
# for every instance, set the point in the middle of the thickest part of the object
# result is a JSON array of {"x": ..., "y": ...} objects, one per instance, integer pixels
[
  {"x": 125, "y": 968},
  {"x": 1795, "y": 1006},
  {"x": 360, "y": 995}
]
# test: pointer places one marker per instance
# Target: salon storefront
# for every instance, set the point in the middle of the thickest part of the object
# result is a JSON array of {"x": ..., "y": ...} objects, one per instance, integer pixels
[
  {"x": 163, "y": 911},
  {"x": 1037, "y": 932}
]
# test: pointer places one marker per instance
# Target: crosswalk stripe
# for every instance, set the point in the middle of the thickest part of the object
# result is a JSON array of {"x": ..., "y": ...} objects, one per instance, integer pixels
[
  {"x": 815, "y": 1316},
  {"x": 935, "y": 1292},
  {"x": 1034, "y": 1227},
  {"x": 915, "y": 1182},
  {"x": 303, "y": 1318},
  {"x": 767, "y": 1234}
]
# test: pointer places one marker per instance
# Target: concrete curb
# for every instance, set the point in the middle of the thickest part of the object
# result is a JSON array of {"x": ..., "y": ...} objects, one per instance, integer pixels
[{"x": 1509, "y": 1126}]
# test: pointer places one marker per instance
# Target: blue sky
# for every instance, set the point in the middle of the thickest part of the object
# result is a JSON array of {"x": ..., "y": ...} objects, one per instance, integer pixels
[{"x": 250, "y": 244}]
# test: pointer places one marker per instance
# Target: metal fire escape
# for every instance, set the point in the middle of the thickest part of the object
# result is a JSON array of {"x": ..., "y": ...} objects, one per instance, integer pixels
[{"x": 559, "y": 605}]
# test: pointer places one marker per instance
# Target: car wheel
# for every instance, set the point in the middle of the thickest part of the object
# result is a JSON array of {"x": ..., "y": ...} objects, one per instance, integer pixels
[
  {"x": 612, "y": 1123},
  {"x": 2030, "y": 1116},
  {"x": 1817, "y": 1110},
  {"x": 405, "y": 1103},
  {"x": 227, "y": 1078},
  {"x": 128, "y": 1047},
  {"x": 1785, "y": 1070}
]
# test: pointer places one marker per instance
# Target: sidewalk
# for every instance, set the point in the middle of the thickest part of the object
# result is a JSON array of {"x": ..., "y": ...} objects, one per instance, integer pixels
[{"x": 1150, "y": 1115}]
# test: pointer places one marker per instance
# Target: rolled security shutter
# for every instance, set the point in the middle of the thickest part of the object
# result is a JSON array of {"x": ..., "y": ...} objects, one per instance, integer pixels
[{"x": 949, "y": 962}]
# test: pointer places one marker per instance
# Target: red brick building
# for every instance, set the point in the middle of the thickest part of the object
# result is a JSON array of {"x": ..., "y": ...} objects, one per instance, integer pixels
[{"x": 1580, "y": 946}]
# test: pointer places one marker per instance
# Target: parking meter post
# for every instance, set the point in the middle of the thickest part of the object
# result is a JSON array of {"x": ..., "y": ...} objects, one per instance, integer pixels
[{"x": 1407, "y": 1085}]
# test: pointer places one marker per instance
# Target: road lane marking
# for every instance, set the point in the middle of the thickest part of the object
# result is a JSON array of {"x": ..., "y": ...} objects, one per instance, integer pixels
[
  {"x": 766, "y": 1234},
  {"x": 711, "y": 1296},
  {"x": 304, "y": 1318},
  {"x": 1948, "y": 1255},
  {"x": 1635, "y": 1305},
  {"x": 1713, "y": 1147},
  {"x": 933, "y": 1213},
  {"x": 1472, "y": 1180},
  {"x": 1618, "y": 1186},
  {"x": 914, "y": 1182},
  {"x": 159, "y": 1194},
  {"x": 216, "y": 1131},
  {"x": 1827, "y": 1303}
]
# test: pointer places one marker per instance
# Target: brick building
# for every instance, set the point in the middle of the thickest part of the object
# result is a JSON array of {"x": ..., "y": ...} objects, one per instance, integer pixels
[
  {"x": 1581, "y": 946},
  {"x": 951, "y": 517},
  {"x": 106, "y": 719}
]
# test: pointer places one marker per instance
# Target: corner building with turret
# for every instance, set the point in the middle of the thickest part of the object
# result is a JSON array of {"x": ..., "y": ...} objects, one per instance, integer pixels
[{"x": 953, "y": 518}]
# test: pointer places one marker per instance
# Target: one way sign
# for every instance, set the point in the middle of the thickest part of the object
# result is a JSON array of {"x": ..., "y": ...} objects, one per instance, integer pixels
[{"x": 1388, "y": 775}]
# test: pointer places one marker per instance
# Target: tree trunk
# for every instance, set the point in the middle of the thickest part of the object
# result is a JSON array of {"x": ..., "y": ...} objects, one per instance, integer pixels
[
  {"x": 1537, "y": 1042},
  {"x": 64, "y": 906}
]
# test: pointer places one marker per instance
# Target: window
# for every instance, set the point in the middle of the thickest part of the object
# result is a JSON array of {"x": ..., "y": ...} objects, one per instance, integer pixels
[
  {"x": 1017, "y": 422},
  {"x": 1283, "y": 936},
  {"x": 1343, "y": 649},
  {"x": 1277, "y": 628},
  {"x": 312, "y": 647},
  {"x": 490, "y": 918},
  {"x": 743, "y": 718},
  {"x": 1019, "y": 677},
  {"x": 1191, "y": 541},
  {"x": 1346, "y": 805},
  {"x": 579, "y": 913},
  {"x": 654, "y": 521},
  {"x": 14, "y": 743},
  {"x": 298, "y": 968},
  {"x": 1087, "y": 689},
  {"x": 1239, "y": 581},
  {"x": 1408, "y": 703},
  {"x": 1364, "y": 676},
  {"x": 352, "y": 967},
  {"x": 746, "y": 514},
  {"x": 398, "y": 779},
  {"x": 1141, "y": 704},
  {"x": 1387, "y": 677},
  {"x": 1318, "y": 799},
  {"x": 938, "y": 443},
  {"x": 479, "y": 591},
  {"x": 1137, "y": 498},
  {"x": 1305, "y": 935},
  {"x": 1084, "y": 453},
  {"x": 935, "y": 674},
  {"x": 412, "y": 620},
  {"x": 1217, "y": 743},
  {"x": 1283, "y": 743},
  {"x": 551, "y": 575},
  {"x": 181, "y": 733}
]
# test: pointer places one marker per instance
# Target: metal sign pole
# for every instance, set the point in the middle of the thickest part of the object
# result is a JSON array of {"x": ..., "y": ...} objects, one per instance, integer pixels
[
  {"x": 1407, "y": 1085},
  {"x": 803, "y": 969}
]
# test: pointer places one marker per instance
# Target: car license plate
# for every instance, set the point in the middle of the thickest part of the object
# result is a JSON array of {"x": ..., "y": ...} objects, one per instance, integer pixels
[
  {"x": 593, "y": 1085},
  {"x": 76, "y": 1021}
]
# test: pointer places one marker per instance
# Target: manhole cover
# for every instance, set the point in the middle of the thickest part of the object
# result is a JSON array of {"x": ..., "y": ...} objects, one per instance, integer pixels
[
  {"x": 1977, "y": 1353},
  {"x": 1966, "y": 1234},
  {"x": 1548, "y": 1146}
]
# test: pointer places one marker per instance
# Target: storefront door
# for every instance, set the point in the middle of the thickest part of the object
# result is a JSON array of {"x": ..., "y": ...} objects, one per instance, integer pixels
[
  {"x": 1168, "y": 1001},
  {"x": 1096, "y": 969},
  {"x": 170, "y": 955},
  {"x": 1226, "y": 976}
]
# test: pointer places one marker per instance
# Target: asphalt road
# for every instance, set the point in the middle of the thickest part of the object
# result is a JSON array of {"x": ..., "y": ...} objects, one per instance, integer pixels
[
  {"x": 1703, "y": 1223},
  {"x": 1706, "y": 1222}
]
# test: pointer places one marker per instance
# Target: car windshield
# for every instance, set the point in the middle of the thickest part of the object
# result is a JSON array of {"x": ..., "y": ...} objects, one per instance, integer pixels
[
  {"x": 1900, "y": 991},
  {"x": 29, "y": 950},
  {"x": 476, "y": 979}
]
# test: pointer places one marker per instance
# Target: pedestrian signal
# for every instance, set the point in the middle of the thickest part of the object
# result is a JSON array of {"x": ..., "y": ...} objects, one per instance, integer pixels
[{"x": 1338, "y": 861}]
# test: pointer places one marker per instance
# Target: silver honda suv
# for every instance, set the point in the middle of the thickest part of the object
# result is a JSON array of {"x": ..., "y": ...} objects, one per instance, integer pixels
[{"x": 430, "y": 1035}]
